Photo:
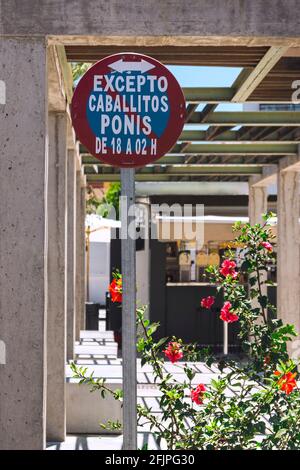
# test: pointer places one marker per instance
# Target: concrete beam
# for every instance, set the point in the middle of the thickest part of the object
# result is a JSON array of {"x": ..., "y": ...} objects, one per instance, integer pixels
[
  {"x": 23, "y": 258},
  {"x": 60, "y": 84},
  {"x": 256, "y": 76},
  {"x": 56, "y": 92},
  {"x": 249, "y": 118},
  {"x": 71, "y": 136},
  {"x": 65, "y": 72},
  {"x": 151, "y": 177},
  {"x": 57, "y": 278},
  {"x": 177, "y": 170},
  {"x": 78, "y": 158},
  {"x": 237, "y": 149},
  {"x": 255, "y": 22},
  {"x": 192, "y": 188},
  {"x": 234, "y": 136},
  {"x": 207, "y": 95},
  {"x": 195, "y": 95}
]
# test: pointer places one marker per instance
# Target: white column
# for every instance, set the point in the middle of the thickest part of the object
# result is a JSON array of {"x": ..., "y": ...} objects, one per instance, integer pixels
[
  {"x": 23, "y": 239},
  {"x": 288, "y": 259},
  {"x": 57, "y": 277},
  {"x": 71, "y": 251}
]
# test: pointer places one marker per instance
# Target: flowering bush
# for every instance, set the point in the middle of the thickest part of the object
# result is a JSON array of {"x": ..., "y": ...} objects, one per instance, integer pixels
[
  {"x": 173, "y": 351},
  {"x": 251, "y": 404},
  {"x": 115, "y": 288},
  {"x": 208, "y": 302}
]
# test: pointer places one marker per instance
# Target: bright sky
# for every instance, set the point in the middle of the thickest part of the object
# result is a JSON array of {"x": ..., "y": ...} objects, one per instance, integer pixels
[{"x": 195, "y": 76}]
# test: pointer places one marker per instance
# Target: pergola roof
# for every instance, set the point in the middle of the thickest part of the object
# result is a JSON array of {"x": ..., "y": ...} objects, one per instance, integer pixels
[{"x": 220, "y": 152}]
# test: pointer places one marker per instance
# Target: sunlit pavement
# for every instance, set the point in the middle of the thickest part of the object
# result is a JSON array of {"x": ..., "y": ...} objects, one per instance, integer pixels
[{"x": 97, "y": 351}]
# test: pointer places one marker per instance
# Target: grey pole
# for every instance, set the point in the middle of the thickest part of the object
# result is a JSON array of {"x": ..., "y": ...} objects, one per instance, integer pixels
[{"x": 128, "y": 312}]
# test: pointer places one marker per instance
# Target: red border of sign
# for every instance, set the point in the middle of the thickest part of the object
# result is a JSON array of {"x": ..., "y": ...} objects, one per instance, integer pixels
[{"x": 87, "y": 137}]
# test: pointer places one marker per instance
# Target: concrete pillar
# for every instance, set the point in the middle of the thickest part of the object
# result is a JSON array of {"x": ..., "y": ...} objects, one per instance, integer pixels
[
  {"x": 83, "y": 255},
  {"x": 258, "y": 201},
  {"x": 71, "y": 251},
  {"x": 288, "y": 247},
  {"x": 78, "y": 294},
  {"x": 23, "y": 258},
  {"x": 257, "y": 206},
  {"x": 143, "y": 257},
  {"x": 57, "y": 277}
]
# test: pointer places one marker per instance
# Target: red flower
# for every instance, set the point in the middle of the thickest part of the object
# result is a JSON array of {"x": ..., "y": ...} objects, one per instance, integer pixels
[
  {"x": 267, "y": 246},
  {"x": 208, "y": 302},
  {"x": 197, "y": 394},
  {"x": 173, "y": 351},
  {"x": 287, "y": 382},
  {"x": 227, "y": 268},
  {"x": 227, "y": 315},
  {"x": 115, "y": 290}
]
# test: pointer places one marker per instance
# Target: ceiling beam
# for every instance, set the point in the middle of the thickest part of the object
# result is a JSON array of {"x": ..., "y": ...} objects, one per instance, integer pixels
[
  {"x": 257, "y": 75},
  {"x": 238, "y": 149},
  {"x": 161, "y": 176},
  {"x": 207, "y": 94},
  {"x": 66, "y": 72},
  {"x": 211, "y": 95},
  {"x": 249, "y": 118},
  {"x": 181, "y": 159},
  {"x": 225, "y": 135},
  {"x": 227, "y": 169}
]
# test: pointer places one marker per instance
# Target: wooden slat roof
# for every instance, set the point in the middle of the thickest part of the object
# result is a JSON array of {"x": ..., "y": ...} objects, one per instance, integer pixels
[{"x": 263, "y": 138}]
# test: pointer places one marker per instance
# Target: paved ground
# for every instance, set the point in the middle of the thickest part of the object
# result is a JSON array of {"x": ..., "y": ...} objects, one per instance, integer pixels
[
  {"x": 100, "y": 442},
  {"x": 98, "y": 352}
]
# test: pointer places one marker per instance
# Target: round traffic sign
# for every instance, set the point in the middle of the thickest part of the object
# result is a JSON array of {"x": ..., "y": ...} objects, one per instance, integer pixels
[{"x": 128, "y": 110}]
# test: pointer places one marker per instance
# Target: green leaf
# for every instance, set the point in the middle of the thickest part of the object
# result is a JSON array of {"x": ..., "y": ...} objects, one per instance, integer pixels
[{"x": 280, "y": 433}]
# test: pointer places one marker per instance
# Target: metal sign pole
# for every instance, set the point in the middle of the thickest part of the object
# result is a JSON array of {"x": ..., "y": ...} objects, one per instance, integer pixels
[
  {"x": 225, "y": 338},
  {"x": 144, "y": 134},
  {"x": 128, "y": 312}
]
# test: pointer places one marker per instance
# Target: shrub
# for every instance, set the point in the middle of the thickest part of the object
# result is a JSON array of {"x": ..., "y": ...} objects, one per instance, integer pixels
[{"x": 252, "y": 404}]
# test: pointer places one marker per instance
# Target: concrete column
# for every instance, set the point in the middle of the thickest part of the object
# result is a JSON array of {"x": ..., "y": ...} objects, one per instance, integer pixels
[
  {"x": 257, "y": 206},
  {"x": 258, "y": 201},
  {"x": 78, "y": 295},
  {"x": 288, "y": 257},
  {"x": 23, "y": 257},
  {"x": 57, "y": 277},
  {"x": 143, "y": 258},
  {"x": 71, "y": 250},
  {"x": 83, "y": 256}
]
